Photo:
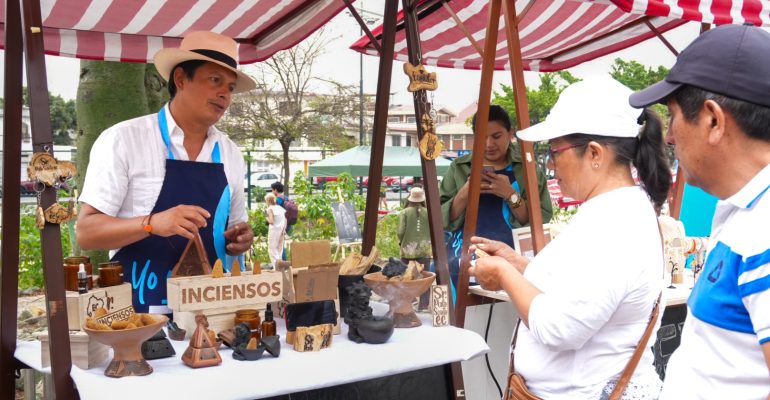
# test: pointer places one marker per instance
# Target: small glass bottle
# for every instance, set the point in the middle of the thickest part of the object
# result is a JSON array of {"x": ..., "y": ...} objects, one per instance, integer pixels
[
  {"x": 251, "y": 318},
  {"x": 82, "y": 279},
  {"x": 268, "y": 325}
]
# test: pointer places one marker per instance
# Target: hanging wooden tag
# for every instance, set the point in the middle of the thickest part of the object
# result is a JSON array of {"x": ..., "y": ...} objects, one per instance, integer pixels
[
  {"x": 430, "y": 145},
  {"x": 57, "y": 213},
  {"x": 420, "y": 78},
  {"x": 43, "y": 167},
  {"x": 39, "y": 218}
]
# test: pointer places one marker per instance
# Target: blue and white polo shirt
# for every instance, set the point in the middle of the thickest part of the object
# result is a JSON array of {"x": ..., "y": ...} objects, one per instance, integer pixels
[{"x": 729, "y": 309}]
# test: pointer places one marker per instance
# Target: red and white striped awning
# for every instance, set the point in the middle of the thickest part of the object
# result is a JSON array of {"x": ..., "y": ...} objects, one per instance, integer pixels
[
  {"x": 558, "y": 34},
  {"x": 133, "y": 30}
]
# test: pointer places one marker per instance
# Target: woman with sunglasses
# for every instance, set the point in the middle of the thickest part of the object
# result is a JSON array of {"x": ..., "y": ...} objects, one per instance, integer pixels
[{"x": 585, "y": 300}]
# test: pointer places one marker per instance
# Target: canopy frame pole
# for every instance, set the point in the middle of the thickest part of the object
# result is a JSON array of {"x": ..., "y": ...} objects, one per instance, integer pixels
[
  {"x": 675, "y": 203},
  {"x": 661, "y": 37},
  {"x": 389, "y": 21},
  {"x": 430, "y": 184},
  {"x": 477, "y": 158},
  {"x": 50, "y": 236},
  {"x": 364, "y": 28},
  {"x": 462, "y": 28},
  {"x": 12, "y": 123},
  {"x": 522, "y": 117}
]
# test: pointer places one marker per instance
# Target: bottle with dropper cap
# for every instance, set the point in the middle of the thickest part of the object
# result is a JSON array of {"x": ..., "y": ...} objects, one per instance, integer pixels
[
  {"x": 82, "y": 279},
  {"x": 268, "y": 325}
]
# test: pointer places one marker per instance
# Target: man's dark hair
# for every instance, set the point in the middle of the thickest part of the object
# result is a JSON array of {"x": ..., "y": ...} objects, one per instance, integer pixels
[
  {"x": 753, "y": 119},
  {"x": 496, "y": 114},
  {"x": 277, "y": 186},
  {"x": 189, "y": 67}
]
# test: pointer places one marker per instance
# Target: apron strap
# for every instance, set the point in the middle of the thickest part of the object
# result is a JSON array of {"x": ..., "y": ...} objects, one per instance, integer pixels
[{"x": 216, "y": 157}]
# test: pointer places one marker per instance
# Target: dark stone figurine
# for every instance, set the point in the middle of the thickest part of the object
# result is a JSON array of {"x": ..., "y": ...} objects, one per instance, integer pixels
[
  {"x": 363, "y": 326},
  {"x": 394, "y": 267},
  {"x": 242, "y": 335}
]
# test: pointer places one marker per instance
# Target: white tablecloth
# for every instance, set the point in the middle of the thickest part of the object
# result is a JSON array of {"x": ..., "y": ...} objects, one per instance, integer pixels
[{"x": 345, "y": 362}]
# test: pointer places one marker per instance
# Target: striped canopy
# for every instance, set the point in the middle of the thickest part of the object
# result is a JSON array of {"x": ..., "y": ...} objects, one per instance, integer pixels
[
  {"x": 559, "y": 34},
  {"x": 133, "y": 30}
]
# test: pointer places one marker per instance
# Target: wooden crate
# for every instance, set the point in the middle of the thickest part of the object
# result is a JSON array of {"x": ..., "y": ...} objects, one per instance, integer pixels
[
  {"x": 197, "y": 293},
  {"x": 86, "y": 352},
  {"x": 115, "y": 299}
]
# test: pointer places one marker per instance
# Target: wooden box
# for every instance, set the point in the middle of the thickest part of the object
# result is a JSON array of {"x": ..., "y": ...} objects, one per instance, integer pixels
[
  {"x": 220, "y": 298},
  {"x": 86, "y": 352},
  {"x": 115, "y": 299}
]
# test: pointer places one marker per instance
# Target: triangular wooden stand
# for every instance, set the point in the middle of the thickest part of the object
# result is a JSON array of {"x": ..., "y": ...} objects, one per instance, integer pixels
[
  {"x": 201, "y": 352},
  {"x": 193, "y": 261}
]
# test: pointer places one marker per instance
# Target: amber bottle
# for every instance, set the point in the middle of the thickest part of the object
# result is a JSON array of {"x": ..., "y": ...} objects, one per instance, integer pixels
[{"x": 268, "y": 325}]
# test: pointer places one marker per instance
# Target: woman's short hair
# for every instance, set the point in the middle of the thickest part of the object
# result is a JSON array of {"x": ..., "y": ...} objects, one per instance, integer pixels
[
  {"x": 270, "y": 199},
  {"x": 496, "y": 114}
]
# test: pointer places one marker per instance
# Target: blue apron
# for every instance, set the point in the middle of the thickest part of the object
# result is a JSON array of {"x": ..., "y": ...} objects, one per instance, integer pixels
[{"x": 148, "y": 263}]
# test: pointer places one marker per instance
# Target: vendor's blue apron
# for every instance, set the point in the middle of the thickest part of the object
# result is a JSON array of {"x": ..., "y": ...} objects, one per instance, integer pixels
[{"x": 148, "y": 263}]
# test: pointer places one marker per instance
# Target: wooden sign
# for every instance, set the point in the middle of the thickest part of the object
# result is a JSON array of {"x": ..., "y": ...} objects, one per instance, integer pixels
[
  {"x": 439, "y": 305},
  {"x": 203, "y": 292},
  {"x": 43, "y": 167},
  {"x": 115, "y": 299},
  {"x": 420, "y": 78}
]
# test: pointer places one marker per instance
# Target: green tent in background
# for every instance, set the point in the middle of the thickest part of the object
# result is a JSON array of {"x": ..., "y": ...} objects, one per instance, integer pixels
[{"x": 398, "y": 161}]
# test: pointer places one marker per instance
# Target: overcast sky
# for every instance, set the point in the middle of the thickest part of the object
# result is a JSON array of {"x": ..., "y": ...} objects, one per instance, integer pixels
[{"x": 457, "y": 88}]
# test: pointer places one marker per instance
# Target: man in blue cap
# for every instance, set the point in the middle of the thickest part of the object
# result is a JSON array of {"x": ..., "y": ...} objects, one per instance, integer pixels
[{"x": 718, "y": 94}]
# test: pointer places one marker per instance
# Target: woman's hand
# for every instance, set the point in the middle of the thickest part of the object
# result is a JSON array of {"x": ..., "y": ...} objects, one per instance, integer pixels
[
  {"x": 239, "y": 238},
  {"x": 499, "y": 249},
  {"x": 496, "y": 184},
  {"x": 489, "y": 272}
]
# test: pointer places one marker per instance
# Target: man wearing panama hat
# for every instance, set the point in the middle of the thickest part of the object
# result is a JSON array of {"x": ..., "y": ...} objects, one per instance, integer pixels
[{"x": 156, "y": 181}]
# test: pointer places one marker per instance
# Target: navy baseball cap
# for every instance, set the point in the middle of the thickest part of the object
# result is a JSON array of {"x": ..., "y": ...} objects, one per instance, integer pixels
[{"x": 730, "y": 60}]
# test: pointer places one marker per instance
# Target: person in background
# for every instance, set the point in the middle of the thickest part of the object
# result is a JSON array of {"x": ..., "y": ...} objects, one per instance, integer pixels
[
  {"x": 503, "y": 200},
  {"x": 718, "y": 94},
  {"x": 155, "y": 182},
  {"x": 383, "y": 196},
  {"x": 586, "y": 299},
  {"x": 276, "y": 232},
  {"x": 277, "y": 189},
  {"x": 413, "y": 231}
]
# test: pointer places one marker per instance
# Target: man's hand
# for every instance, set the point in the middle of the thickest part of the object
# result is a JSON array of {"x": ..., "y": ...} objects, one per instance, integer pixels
[
  {"x": 239, "y": 238},
  {"x": 499, "y": 249},
  {"x": 489, "y": 271},
  {"x": 181, "y": 220},
  {"x": 496, "y": 184}
]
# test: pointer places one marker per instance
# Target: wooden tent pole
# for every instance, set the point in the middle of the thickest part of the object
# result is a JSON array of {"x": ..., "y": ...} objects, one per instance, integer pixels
[
  {"x": 522, "y": 118},
  {"x": 9, "y": 277},
  {"x": 363, "y": 26},
  {"x": 477, "y": 157},
  {"x": 50, "y": 236},
  {"x": 675, "y": 204},
  {"x": 380, "y": 124},
  {"x": 430, "y": 184}
]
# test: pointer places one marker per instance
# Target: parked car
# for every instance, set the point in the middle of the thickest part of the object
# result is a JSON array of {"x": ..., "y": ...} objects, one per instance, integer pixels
[
  {"x": 261, "y": 180},
  {"x": 320, "y": 181},
  {"x": 387, "y": 180},
  {"x": 404, "y": 184}
]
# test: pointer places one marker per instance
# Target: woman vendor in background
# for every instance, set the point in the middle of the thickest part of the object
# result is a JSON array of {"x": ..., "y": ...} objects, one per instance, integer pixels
[{"x": 585, "y": 300}]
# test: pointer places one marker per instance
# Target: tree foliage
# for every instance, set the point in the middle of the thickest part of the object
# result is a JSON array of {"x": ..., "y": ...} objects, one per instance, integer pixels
[
  {"x": 285, "y": 107},
  {"x": 540, "y": 100},
  {"x": 635, "y": 75},
  {"x": 63, "y": 117}
]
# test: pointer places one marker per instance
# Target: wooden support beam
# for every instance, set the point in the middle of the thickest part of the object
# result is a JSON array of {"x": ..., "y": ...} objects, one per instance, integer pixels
[
  {"x": 380, "y": 124},
  {"x": 364, "y": 28},
  {"x": 50, "y": 236},
  {"x": 522, "y": 117},
  {"x": 462, "y": 28},
  {"x": 477, "y": 157},
  {"x": 661, "y": 37},
  {"x": 9, "y": 276}
]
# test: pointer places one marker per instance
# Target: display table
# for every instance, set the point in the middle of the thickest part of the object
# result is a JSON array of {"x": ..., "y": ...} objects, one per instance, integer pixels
[{"x": 407, "y": 350}]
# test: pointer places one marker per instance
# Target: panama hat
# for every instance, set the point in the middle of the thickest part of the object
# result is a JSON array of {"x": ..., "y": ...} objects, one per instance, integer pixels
[{"x": 206, "y": 46}]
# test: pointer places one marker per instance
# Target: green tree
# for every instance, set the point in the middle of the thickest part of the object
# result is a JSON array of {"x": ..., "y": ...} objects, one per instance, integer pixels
[
  {"x": 108, "y": 93},
  {"x": 63, "y": 116},
  {"x": 635, "y": 75},
  {"x": 540, "y": 100}
]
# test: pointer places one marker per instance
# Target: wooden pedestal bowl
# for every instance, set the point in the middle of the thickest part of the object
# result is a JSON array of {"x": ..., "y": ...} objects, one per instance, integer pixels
[
  {"x": 400, "y": 296},
  {"x": 126, "y": 346}
]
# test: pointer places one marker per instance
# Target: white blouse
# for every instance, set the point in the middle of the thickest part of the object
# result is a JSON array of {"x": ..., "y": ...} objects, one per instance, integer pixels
[{"x": 600, "y": 278}]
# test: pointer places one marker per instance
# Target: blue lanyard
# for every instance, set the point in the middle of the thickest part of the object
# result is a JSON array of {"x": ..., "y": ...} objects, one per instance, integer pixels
[{"x": 215, "y": 156}]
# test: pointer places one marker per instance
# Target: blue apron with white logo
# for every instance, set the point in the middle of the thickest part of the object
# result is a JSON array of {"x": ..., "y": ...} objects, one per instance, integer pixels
[{"x": 148, "y": 263}]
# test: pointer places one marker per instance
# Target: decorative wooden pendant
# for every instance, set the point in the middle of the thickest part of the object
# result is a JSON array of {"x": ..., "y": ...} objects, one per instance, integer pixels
[
  {"x": 193, "y": 261},
  {"x": 420, "y": 78},
  {"x": 43, "y": 167},
  {"x": 430, "y": 145}
]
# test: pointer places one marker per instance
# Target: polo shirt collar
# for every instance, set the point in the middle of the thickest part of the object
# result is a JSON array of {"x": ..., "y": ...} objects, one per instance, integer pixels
[{"x": 750, "y": 193}]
